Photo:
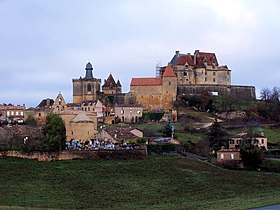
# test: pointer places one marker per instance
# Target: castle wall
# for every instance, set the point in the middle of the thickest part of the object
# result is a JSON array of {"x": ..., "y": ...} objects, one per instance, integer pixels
[{"x": 242, "y": 92}]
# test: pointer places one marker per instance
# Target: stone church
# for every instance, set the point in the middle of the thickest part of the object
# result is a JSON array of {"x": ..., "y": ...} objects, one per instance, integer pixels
[{"x": 87, "y": 88}]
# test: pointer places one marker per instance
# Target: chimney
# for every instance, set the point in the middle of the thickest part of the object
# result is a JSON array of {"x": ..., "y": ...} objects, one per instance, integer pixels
[
  {"x": 177, "y": 52},
  {"x": 196, "y": 56}
]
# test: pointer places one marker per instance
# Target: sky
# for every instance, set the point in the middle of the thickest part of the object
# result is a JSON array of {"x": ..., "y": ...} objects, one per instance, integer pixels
[{"x": 46, "y": 44}]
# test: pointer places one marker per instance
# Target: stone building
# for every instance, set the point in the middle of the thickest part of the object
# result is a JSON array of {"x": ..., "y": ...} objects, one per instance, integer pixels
[
  {"x": 59, "y": 104},
  {"x": 94, "y": 106},
  {"x": 155, "y": 93},
  {"x": 257, "y": 139},
  {"x": 199, "y": 68},
  {"x": 110, "y": 86},
  {"x": 129, "y": 112},
  {"x": 80, "y": 125},
  {"x": 86, "y": 88},
  {"x": 12, "y": 114}
]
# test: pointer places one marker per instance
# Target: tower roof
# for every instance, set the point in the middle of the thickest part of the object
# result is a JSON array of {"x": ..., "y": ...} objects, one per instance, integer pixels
[
  {"x": 169, "y": 71},
  {"x": 110, "y": 81},
  {"x": 89, "y": 69},
  {"x": 119, "y": 83}
]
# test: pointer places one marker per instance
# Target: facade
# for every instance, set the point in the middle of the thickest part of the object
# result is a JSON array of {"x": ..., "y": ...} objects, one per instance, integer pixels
[
  {"x": 257, "y": 139},
  {"x": 228, "y": 155},
  {"x": 129, "y": 113},
  {"x": 79, "y": 125},
  {"x": 59, "y": 104},
  {"x": 94, "y": 106},
  {"x": 199, "y": 68},
  {"x": 110, "y": 86},
  {"x": 86, "y": 88},
  {"x": 12, "y": 114},
  {"x": 155, "y": 93}
]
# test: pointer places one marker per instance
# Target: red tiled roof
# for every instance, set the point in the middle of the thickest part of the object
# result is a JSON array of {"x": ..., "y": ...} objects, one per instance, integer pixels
[
  {"x": 185, "y": 59},
  {"x": 169, "y": 71},
  {"x": 145, "y": 81},
  {"x": 210, "y": 58}
]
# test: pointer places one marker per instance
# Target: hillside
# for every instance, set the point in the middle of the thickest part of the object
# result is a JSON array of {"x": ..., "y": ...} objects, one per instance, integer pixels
[{"x": 154, "y": 183}]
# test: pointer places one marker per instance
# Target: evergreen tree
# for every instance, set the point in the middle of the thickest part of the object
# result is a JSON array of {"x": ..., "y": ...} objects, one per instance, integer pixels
[
  {"x": 216, "y": 136},
  {"x": 168, "y": 129},
  {"x": 55, "y": 133}
]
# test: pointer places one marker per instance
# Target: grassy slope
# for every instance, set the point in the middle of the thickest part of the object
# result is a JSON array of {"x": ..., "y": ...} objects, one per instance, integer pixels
[{"x": 163, "y": 183}]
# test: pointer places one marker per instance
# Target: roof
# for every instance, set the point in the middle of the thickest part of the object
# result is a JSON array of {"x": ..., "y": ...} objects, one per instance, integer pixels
[
  {"x": 88, "y": 71},
  {"x": 205, "y": 57},
  {"x": 110, "y": 81},
  {"x": 169, "y": 71},
  {"x": 81, "y": 117},
  {"x": 11, "y": 107},
  {"x": 145, "y": 81},
  {"x": 121, "y": 133},
  {"x": 247, "y": 135},
  {"x": 189, "y": 59},
  {"x": 119, "y": 83}
]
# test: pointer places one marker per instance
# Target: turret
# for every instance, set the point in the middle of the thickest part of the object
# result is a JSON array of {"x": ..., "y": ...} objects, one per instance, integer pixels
[{"x": 89, "y": 69}]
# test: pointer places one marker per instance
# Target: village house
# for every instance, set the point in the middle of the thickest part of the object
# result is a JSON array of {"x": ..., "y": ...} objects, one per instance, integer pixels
[
  {"x": 129, "y": 113},
  {"x": 39, "y": 113},
  {"x": 12, "y": 114},
  {"x": 94, "y": 106},
  {"x": 257, "y": 139}
]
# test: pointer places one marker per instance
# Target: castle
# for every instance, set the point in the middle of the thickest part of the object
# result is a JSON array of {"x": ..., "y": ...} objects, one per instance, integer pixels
[{"x": 185, "y": 74}]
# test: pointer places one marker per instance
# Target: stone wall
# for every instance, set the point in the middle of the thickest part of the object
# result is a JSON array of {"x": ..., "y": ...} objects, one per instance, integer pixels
[
  {"x": 83, "y": 155},
  {"x": 243, "y": 92}
]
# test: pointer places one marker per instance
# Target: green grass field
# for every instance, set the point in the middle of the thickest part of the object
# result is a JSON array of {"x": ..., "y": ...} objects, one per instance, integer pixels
[{"x": 154, "y": 183}]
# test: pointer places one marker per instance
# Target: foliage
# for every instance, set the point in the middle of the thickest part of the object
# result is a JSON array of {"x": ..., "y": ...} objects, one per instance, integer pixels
[
  {"x": 168, "y": 129},
  {"x": 30, "y": 121},
  {"x": 160, "y": 148},
  {"x": 151, "y": 116},
  {"x": 141, "y": 140},
  {"x": 117, "y": 120},
  {"x": 153, "y": 183},
  {"x": 55, "y": 133},
  {"x": 251, "y": 154},
  {"x": 216, "y": 136}
]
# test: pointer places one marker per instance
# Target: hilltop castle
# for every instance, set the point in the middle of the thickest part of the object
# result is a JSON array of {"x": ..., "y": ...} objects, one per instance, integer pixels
[{"x": 185, "y": 74}]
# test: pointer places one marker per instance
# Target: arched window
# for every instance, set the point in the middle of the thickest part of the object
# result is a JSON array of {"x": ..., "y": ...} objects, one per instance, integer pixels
[{"x": 89, "y": 88}]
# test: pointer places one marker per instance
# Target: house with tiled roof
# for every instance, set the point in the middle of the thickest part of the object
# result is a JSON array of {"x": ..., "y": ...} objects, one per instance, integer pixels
[{"x": 155, "y": 93}]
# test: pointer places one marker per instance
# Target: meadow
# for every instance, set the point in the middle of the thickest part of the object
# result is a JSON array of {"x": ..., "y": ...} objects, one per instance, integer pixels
[{"x": 153, "y": 183}]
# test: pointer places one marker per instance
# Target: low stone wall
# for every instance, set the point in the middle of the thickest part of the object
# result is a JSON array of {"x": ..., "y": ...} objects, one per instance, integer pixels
[
  {"x": 243, "y": 92},
  {"x": 83, "y": 155}
]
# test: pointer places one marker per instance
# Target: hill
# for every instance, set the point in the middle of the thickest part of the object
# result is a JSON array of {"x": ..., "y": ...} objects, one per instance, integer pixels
[{"x": 154, "y": 183}]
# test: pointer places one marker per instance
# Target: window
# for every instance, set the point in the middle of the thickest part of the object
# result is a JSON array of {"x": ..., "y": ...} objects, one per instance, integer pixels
[
  {"x": 12, "y": 113},
  {"x": 262, "y": 141},
  {"x": 231, "y": 141},
  {"x": 39, "y": 114},
  {"x": 169, "y": 83},
  {"x": 222, "y": 156},
  {"x": 214, "y": 73},
  {"x": 214, "y": 80},
  {"x": 205, "y": 79},
  {"x": 16, "y": 113},
  {"x": 8, "y": 113},
  {"x": 21, "y": 113},
  {"x": 232, "y": 156},
  {"x": 89, "y": 88},
  {"x": 205, "y": 72}
]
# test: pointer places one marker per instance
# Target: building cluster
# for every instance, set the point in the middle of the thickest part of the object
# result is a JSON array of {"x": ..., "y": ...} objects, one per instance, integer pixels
[{"x": 93, "y": 103}]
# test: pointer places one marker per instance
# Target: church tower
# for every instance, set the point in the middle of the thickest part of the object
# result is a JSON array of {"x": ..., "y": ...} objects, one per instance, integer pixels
[{"x": 87, "y": 88}]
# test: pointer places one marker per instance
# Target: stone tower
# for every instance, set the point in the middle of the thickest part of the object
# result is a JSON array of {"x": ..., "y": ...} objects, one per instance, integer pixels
[
  {"x": 169, "y": 87},
  {"x": 86, "y": 88},
  {"x": 110, "y": 86}
]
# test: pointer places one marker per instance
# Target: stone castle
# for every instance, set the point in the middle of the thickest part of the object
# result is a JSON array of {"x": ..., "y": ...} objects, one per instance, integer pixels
[{"x": 185, "y": 74}]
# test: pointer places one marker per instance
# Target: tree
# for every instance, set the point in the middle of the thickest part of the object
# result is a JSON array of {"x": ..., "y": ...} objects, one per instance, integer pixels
[
  {"x": 251, "y": 154},
  {"x": 216, "y": 136},
  {"x": 30, "y": 121},
  {"x": 55, "y": 133},
  {"x": 168, "y": 129}
]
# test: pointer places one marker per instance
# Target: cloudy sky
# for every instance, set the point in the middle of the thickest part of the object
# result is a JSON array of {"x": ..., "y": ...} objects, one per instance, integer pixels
[{"x": 45, "y": 44}]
